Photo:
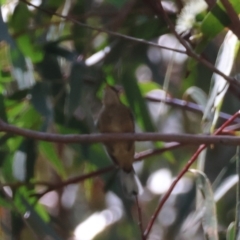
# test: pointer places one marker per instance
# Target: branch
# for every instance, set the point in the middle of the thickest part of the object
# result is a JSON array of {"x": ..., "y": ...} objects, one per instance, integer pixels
[
  {"x": 50, "y": 187},
  {"x": 187, "y": 106},
  {"x": 152, "y": 152},
  {"x": 184, "y": 170},
  {"x": 75, "y": 180},
  {"x": 193, "y": 139},
  {"x": 115, "y": 34},
  {"x": 189, "y": 50},
  {"x": 169, "y": 191}
]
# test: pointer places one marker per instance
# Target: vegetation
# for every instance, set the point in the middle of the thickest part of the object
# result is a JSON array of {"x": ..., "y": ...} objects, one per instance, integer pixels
[{"x": 176, "y": 63}]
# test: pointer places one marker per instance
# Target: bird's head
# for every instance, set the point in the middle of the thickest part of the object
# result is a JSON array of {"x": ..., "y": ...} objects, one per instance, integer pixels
[{"x": 110, "y": 96}]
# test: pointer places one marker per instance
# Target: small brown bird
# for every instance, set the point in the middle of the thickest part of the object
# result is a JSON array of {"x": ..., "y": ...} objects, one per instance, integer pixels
[{"x": 117, "y": 118}]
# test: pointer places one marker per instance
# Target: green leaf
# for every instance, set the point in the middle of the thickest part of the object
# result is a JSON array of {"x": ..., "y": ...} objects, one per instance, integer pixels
[
  {"x": 41, "y": 100},
  {"x": 76, "y": 88},
  {"x": 217, "y": 19},
  {"x": 231, "y": 231},
  {"x": 25, "y": 116},
  {"x": 197, "y": 94},
  {"x": 28, "y": 48},
  {"x": 19, "y": 69},
  {"x": 20, "y": 17},
  {"x": 98, "y": 156},
  {"x": 146, "y": 87},
  {"x": 225, "y": 62},
  {"x": 117, "y": 3},
  {"x": 5, "y": 64},
  {"x": 22, "y": 197},
  {"x": 3, "y": 2},
  {"x": 5, "y": 203},
  {"x": 35, "y": 215},
  {"x": 211, "y": 25},
  {"x": 3, "y": 115},
  {"x": 53, "y": 3},
  {"x": 137, "y": 103},
  {"x": 50, "y": 153},
  {"x": 7, "y": 170}
]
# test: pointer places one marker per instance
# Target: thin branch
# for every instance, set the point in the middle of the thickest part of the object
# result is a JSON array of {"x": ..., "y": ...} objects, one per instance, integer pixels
[
  {"x": 187, "y": 106},
  {"x": 152, "y": 152},
  {"x": 184, "y": 170},
  {"x": 50, "y": 186},
  {"x": 189, "y": 50},
  {"x": 115, "y": 34},
  {"x": 169, "y": 191},
  {"x": 75, "y": 180},
  {"x": 193, "y": 139},
  {"x": 235, "y": 25}
]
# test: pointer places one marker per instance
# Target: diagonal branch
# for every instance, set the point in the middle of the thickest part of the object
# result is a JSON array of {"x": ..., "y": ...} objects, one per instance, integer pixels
[
  {"x": 184, "y": 170},
  {"x": 50, "y": 187},
  {"x": 152, "y": 152},
  {"x": 161, "y": 13},
  {"x": 75, "y": 180},
  {"x": 112, "y": 33},
  {"x": 175, "y": 102}
]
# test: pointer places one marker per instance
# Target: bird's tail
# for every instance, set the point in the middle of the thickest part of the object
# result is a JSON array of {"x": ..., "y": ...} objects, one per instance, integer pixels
[{"x": 131, "y": 183}]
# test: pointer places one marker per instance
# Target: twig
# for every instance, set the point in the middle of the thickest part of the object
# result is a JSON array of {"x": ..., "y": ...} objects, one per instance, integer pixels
[
  {"x": 189, "y": 51},
  {"x": 169, "y": 191},
  {"x": 152, "y": 152},
  {"x": 187, "y": 106},
  {"x": 139, "y": 156},
  {"x": 184, "y": 170},
  {"x": 75, "y": 180},
  {"x": 193, "y": 139},
  {"x": 138, "y": 40},
  {"x": 139, "y": 218}
]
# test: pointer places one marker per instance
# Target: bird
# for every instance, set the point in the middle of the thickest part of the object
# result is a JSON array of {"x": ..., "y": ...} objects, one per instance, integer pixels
[{"x": 115, "y": 117}]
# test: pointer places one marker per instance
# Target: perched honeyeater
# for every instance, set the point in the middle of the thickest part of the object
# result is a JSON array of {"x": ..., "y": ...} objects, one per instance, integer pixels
[{"x": 117, "y": 118}]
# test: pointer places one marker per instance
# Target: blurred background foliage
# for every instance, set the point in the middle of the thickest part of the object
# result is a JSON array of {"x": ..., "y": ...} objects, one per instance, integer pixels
[{"x": 52, "y": 72}]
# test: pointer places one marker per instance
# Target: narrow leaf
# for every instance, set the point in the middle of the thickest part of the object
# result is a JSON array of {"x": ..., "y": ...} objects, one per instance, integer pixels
[
  {"x": 49, "y": 152},
  {"x": 224, "y": 63},
  {"x": 231, "y": 231},
  {"x": 217, "y": 19},
  {"x": 197, "y": 94},
  {"x": 207, "y": 206}
]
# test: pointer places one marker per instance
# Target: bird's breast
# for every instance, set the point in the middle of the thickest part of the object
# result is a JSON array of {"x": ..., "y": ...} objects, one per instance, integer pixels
[{"x": 116, "y": 120}]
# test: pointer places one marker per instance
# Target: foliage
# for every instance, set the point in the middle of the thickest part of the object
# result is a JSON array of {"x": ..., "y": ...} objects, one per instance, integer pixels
[{"x": 55, "y": 60}]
